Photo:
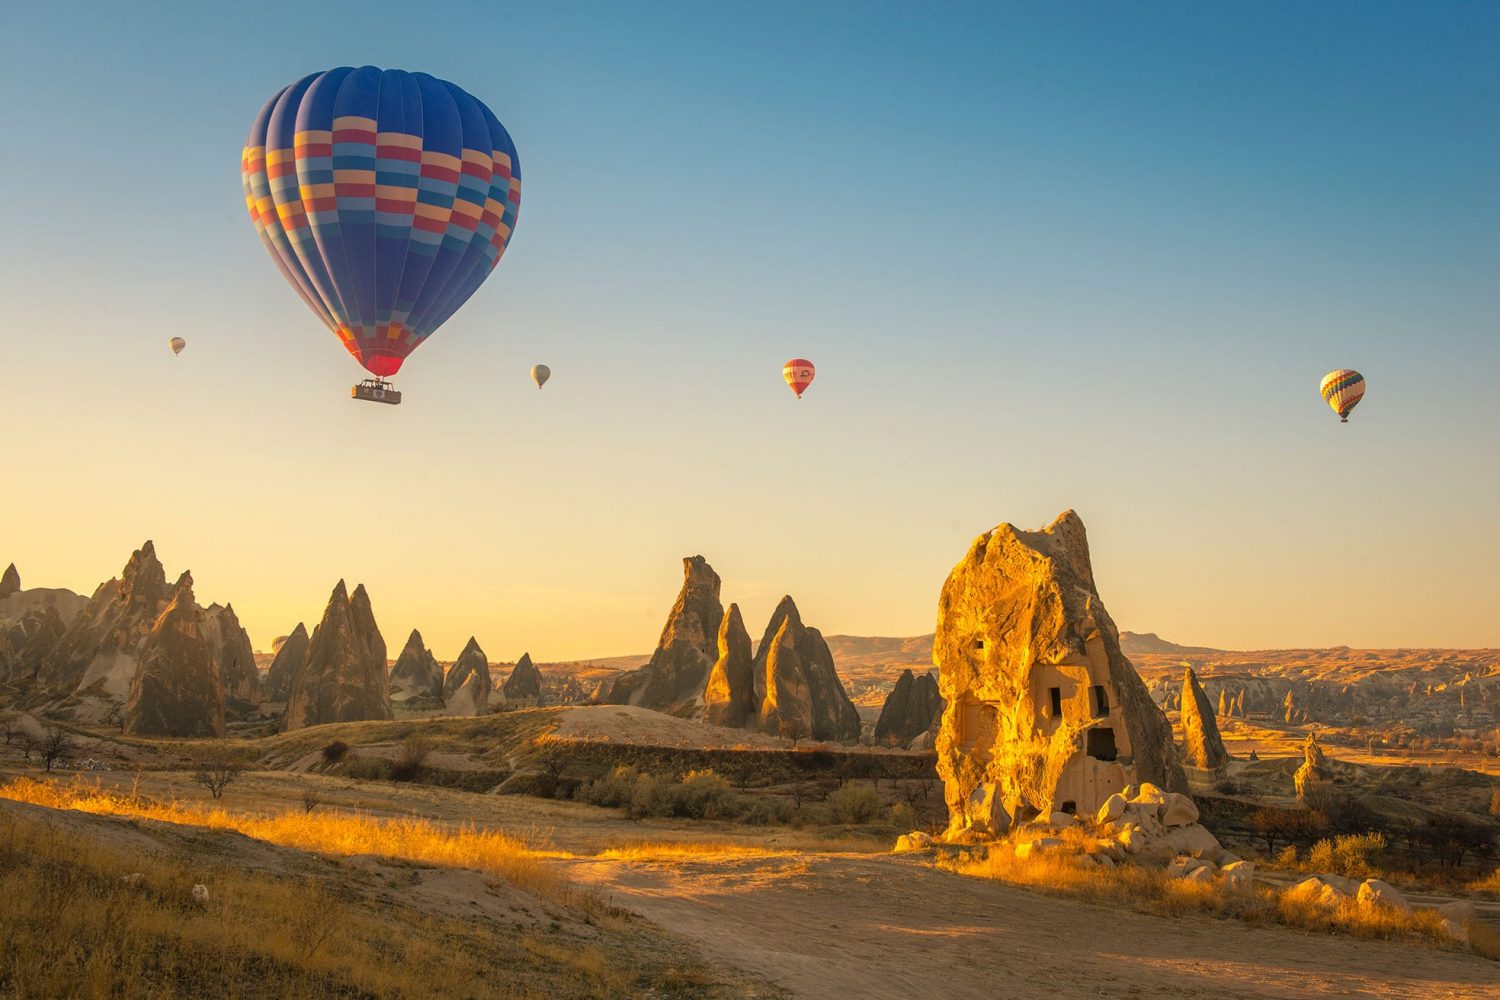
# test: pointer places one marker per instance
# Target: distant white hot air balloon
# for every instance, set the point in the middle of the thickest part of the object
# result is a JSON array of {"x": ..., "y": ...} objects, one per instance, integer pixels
[
  {"x": 540, "y": 374},
  {"x": 176, "y": 344}
]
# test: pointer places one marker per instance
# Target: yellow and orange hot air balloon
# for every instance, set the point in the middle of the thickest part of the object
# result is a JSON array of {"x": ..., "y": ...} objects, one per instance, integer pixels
[
  {"x": 799, "y": 373},
  {"x": 176, "y": 344},
  {"x": 1342, "y": 390}
]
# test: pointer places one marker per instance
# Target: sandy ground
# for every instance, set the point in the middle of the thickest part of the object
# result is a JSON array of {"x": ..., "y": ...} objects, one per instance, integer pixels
[{"x": 840, "y": 926}]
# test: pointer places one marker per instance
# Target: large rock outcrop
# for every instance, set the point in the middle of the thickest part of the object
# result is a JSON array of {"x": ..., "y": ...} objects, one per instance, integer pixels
[
  {"x": 1314, "y": 779},
  {"x": 466, "y": 691},
  {"x": 912, "y": 708},
  {"x": 673, "y": 681},
  {"x": 236, "y": 656},
  {"x": 10, "y": 581},
  {"x": 417, "y": 673},
  {"x": 524, "y": 683},
  {"x": 1043, "y": 711},
  {"x": 178, "y": 689},
  {"x": 344, "y": 676},
  {"x": 94, "y": 663},
  {"x": 729, "y": 696},
  {"x": 26, "y": 642},
  {"x": 799, "y": 687},
  {"x": 291, "y": 657},
  {"x": 1202, "y": 744}
]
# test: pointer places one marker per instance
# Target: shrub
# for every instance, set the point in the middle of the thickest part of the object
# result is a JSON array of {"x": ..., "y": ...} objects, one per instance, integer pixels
[
  {"x": 903, "y": 817},
  {"x": 704, "y": 795},
  {"x": 367, "y": 768},
  {"x": 853, "y": 803},
  {"x": 335, "y": 752},
  {"x": 415, "y": 750}
]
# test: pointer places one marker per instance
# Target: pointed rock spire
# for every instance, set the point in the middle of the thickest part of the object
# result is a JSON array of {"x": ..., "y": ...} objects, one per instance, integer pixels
[
  {"x": 10, "y": 582},
  {"x": 289, "y": 661},
  {"x": 466, "y": 690},
  {"x": 524, "y": 682},
  {"x": 417, "y": 673},
  {"x": 674, "y": 678},
  {"x": 910, "y": 710},
  {"x": 803, "y": 696},
  {"x": 729, "y": 696},
  {"x": 177, "y": 689},
  {"x": 344, "y": 676},
  {"x": 1200, "y": 731}
]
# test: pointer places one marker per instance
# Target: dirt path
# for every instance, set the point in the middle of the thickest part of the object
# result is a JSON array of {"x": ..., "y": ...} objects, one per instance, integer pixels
[{"x": 841, "y": 926}]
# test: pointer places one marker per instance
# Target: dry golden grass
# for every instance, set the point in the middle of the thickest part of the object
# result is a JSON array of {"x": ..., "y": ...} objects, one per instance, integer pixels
[
  {"x": 70, "y": 926},
  {"x": 1152, "y": 890},
  {"x": 322, "y": 832}
]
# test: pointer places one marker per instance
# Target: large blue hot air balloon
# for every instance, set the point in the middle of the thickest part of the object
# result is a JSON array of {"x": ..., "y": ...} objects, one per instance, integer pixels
[{"x": 385, "y": 198}]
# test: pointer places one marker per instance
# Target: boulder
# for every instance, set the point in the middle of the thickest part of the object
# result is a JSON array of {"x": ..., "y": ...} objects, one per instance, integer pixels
[
  {"x": 1041, "y": 845},
  {"x": 1178, "y": 810},
  {"x": 178, "y": 689},
  {"x": 914, "y": 841},
  {"x": 466, "y": 690},
  {"x": 674, "y": 679},
  {"x": 1314, "y": 779},
  {"x": 985, "y": 812},
  {"x": 1324, "y": 891},
  {"x": 524, "y": 682},
  {"x": 1238, "y": 876},
  {"x": 417, "y": 673},
  {"x": 1194, "y": 840},
  {"x": 1181, "y": 865},
  {"x": 1113, "y": 808},
  {"x": 1374, "y": 893},
  {"x": 911, "y": 710},
  {"x": 801, "y": 693},
  {"x": 729, "y": 695},
  {"x": 1039, "y": 699},
  {"x": 290, "y": 658},
  {"x": 1461, "y": 912},
  {"x": 1200, "y": 731},
  {"x": 343, "y": 678}
]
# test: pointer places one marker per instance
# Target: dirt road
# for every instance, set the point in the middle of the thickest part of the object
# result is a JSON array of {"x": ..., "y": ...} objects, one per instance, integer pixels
[{"x": 843, "y": 926}]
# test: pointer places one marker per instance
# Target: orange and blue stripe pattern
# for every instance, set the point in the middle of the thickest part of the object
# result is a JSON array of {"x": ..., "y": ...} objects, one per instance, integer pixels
[
  {"x": 1342, "y": 390},
  {"x": 385, "y": 198}
]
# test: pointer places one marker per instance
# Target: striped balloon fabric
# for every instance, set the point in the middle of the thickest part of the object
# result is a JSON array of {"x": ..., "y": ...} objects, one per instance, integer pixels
[
  {"x": 799, "y": 373},
  {"x": 1343, "y": 390},
  {"x": 385, "y": 198}
]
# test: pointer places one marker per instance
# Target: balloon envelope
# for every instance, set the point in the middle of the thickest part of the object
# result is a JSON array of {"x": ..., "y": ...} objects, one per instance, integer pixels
[
  {"x": 385, "y": 198},
  {"x": 1342, "y": 390},
  {"x": 176, "y": 344},
  {"x": 799, "y": 373},
  {"x": 540, "y": 374}
]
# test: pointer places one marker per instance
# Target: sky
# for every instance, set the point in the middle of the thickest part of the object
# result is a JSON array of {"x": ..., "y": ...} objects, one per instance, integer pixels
[{"x": 1044, "y": 256}]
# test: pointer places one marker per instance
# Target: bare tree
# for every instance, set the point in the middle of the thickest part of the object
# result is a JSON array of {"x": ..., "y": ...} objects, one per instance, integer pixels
[
  {"x": 27, "y": 742},
  {"x": 791, "y": 729},
  {"x": 10, "y": 730},
  {"x": 310, "y": 799},
  {"x": 56, "y": 744},
  {"x": 216, "y": 774}
]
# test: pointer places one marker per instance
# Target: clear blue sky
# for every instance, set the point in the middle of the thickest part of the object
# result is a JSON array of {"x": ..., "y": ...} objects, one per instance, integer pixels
[{"x": 1046, "y": 256}]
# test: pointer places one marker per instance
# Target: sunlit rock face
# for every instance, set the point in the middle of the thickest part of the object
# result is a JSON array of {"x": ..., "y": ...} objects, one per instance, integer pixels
[
  {"x": 466, "y": 690},
  {"x": 291, "y": 656},
  {"x": 344, "y": 676},
  {"x": 674, "y": 679},
  {"x": 1314, "y": 779},
  {"x": 178, "y": 688},
  {"x": 729, "y": 695},
  {"x": 524, "y": 683},
  {"x": 799, "y": 688},
  {"x": 1043, "y": 712},
  {"x": 910, "y": 710},
  {"x": 1202, "y": 744},
  {"x": 417, "y": 673}
]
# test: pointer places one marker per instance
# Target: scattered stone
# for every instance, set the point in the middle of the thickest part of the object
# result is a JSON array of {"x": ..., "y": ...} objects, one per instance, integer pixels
[
  {"x": 987, "y": 815},
  {"x": 1039, "y": 699},
  {"x": 1238, "y": 876},
  {"x": 1200, "y": 731},
  {"x": 1113, "y": 809},
  {"x": 134, "y": 879},
  {"x": 1179, "y": 810},
  {"x": 200, "y": 895},
  {"x": 914, "y": 841}
]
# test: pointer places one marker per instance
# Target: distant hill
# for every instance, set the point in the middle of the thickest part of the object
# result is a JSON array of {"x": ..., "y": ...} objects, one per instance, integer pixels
[{"x": 1149, "y": 643}]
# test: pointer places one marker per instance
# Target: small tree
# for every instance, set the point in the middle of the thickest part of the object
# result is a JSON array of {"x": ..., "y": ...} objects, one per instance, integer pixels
[
  {"x": 310, "y": 799},
  {"x": 56, "y": 744},
  {"x": 10, "y": 730},
  {"x": 216, "y": 774},
  {"x": 791, "y": 729}
]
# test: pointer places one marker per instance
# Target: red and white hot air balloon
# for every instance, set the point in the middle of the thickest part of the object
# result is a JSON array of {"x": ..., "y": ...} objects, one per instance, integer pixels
[{"x": 799, "y": 373}]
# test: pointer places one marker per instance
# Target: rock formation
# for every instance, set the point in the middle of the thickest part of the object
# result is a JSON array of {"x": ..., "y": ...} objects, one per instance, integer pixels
[
  {"x": 417, "y": 673},
  {"x": 344, "y": 676},
  {"x": 910, "y": 709},
  {"x": 466, "y": 691},
  {"x": 524, "y": 682},
  {"x": 178, "y": 689},
  {"x": 221, "y": 627},
  {"x": 1314, "y": 779},
  {"x": 673, "y": 681},
  {"x": 291, "y": 656},
  {"x": 96, "y": 657},
  {"x": 26, "y": 642},
  {"x": 1200, "y": 732},
  {"x": 729, "y": 695},
  {"x": 800, "y": 691},
  {"x": 1043, "y": 714},
  {"x": 10, "y": 581}
]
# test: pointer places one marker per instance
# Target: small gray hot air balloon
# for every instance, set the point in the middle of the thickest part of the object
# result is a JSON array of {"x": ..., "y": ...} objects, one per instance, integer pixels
[
  {"x": 540, "y": 374},
  {"x": 176, "y": 344}
]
